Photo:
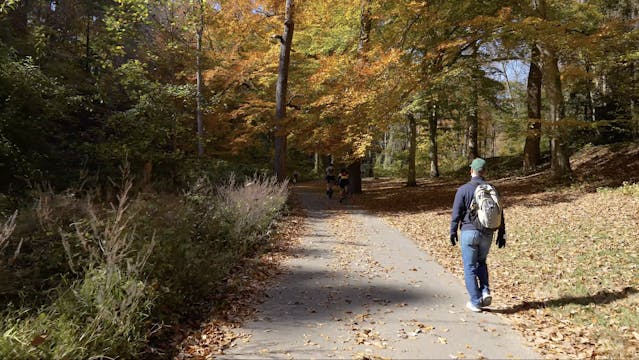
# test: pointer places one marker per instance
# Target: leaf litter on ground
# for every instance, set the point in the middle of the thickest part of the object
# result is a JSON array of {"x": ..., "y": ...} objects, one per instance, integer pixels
[
  {"x": 246, "y": 285},
  {"x": 567, "y": 278}
]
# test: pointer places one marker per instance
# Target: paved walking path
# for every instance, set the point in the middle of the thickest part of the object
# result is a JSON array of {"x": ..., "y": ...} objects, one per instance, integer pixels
[{"x": 357, "y": 288}]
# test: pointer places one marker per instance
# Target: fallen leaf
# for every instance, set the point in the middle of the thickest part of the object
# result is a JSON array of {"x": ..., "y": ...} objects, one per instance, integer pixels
[{"x": 38, "y": 340}]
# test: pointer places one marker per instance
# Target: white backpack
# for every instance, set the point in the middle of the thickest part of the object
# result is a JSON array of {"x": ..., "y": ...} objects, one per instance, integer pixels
[{"x": 485, "y": 209}]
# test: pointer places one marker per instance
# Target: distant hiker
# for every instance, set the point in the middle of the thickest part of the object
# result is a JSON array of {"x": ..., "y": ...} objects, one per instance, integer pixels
[
  {"x": 343, "y": 181},
  {"x": 296, "y": 177},
  {"x": 478, "y": 212},
  {"x": 330, "y": 180}
]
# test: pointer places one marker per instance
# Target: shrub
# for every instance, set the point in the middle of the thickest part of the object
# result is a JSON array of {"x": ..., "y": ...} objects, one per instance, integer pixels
[
  {"x": 101, "y": 307},
  {"x": 103, "y": 314},
  {"x": 111, "y": 271},
  {"x": 212, "y": 227},
  {"x": 247, "y": 209}
]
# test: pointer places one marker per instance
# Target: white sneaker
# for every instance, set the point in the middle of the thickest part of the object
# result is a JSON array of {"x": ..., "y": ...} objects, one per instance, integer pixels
[
  {"x": 486, "y": 299},
  {"x": 472, "y": 307}
]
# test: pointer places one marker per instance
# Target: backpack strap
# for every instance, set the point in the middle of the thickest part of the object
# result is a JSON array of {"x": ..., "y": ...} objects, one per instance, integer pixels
[
  {"x": 473, "y": 203},
  {"x": 466, "y": 214}
]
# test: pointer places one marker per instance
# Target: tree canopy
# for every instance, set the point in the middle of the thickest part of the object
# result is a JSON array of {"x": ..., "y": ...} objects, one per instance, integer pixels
[{"x": 86, "y": 83}]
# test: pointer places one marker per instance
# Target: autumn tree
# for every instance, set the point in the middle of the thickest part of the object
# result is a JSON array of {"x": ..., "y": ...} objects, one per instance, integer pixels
[
  {"x": 286, "y": 40},
  {"x": 170, "y": 81},
  {"x": 532, "y": 151},
  {"x": 349, "y": 84},
  {"x": 442, "y": 52}
]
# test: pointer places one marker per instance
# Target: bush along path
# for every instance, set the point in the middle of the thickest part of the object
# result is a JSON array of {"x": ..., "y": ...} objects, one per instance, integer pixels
[
  {"x": 356, "y": 288},
  {"x": 86, "y": 277}
]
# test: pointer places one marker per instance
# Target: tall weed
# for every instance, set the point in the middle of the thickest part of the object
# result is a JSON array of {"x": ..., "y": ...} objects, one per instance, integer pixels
[
  {"x": 102, "y": 315},
  {"x": 111, "y": 272},
  {"x": 6, "y": 230},
  {"x": 247, "y": 209},
  {"x": 102, "y": 305},
  {"x": 212, "y": 227}
]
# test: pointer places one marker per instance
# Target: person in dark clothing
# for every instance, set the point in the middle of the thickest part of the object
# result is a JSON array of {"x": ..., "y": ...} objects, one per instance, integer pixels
[
  {"x": 343, "y": 182},
  {"x": 475, "y": 243},
  {"x": 330, "y": 180}
]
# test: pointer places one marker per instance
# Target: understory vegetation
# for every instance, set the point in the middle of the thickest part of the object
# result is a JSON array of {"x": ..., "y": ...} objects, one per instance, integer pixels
[{"x": 84, "y": 276}]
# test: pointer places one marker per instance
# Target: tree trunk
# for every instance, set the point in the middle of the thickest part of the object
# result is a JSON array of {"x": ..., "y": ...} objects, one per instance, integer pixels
[
  {"x": 316, "y": 166},
  {"x": 509, "y": 88},
  {"x": 473, "y": 125},
  {"x": 147, "y": 173},
  {"x": 389, "y": 151},
  {"x": 473, "y": 119},
  {"x": 355, "y": 172},
  {"x": 198, "y": 77},
  {"x": 589, "y": 114},
  {"x": 371, "y": 169},
  {"x": 365, "y": 27},
  {"x": 355, "y": 169},
  {"x": 432, "y": 136},
  {"x": 559, "y": 164},
  {"x": 412, "y": 151},
  {"x": 88, "y": 44},
  {"x": 280, "y": 93},
  {"x": 494, "y": 140},
  {"x": 532, "y": 150}
]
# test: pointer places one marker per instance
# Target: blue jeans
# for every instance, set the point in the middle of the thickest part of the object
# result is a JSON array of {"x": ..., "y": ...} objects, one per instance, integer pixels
[{"x": 475, "y": 246}]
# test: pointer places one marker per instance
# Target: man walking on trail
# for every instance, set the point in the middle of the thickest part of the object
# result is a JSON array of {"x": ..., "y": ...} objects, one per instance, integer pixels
[{"x": 477, "y": 224}]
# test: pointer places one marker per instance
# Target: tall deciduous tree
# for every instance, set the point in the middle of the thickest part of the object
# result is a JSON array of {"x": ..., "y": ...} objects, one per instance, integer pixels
[
  {"x": 412, "y": 152},
  {"x": 280, "y": 93},
  {"x": 560, "y": 163},
  {"x": 532, "y": 150},
  {"x": 473, "y": 117},
  {"x": 432, "y": 138},
  {"x": 355, "y": 168}
]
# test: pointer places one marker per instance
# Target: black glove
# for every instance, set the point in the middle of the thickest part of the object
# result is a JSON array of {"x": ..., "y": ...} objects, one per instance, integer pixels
[
  {"x": 501, "y": 239},
  {"x": 453, "y": 239}
]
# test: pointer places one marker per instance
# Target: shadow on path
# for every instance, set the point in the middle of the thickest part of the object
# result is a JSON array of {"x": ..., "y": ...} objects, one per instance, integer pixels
[
  {"x": 600, "y": 298},
  {"x": 321, "y": 295}
]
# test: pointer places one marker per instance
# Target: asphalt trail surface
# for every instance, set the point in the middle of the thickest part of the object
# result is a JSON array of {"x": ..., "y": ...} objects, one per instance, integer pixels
[{"x": 357, "y": 288}]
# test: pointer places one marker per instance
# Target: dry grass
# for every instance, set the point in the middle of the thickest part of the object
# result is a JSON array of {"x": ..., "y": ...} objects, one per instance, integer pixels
[
  {"x": 250, "y": 206},
  {"x": 104, "y": 271},
  {"x": 6, "y": 230},
  {"x": 98, "y": 309}
]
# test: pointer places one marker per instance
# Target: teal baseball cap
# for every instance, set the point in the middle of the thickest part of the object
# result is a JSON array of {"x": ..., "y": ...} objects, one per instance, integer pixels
[{"x": 478, "y": 164}]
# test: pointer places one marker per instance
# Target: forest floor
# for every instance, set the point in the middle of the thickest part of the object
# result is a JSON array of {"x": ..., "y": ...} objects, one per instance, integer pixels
[
  {"x": 568, "y": 277},
  {"x": 343, "y": 283}
]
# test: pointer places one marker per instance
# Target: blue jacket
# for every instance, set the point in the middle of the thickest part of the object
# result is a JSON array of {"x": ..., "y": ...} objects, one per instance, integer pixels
[{"x": 463, "y": 199}]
